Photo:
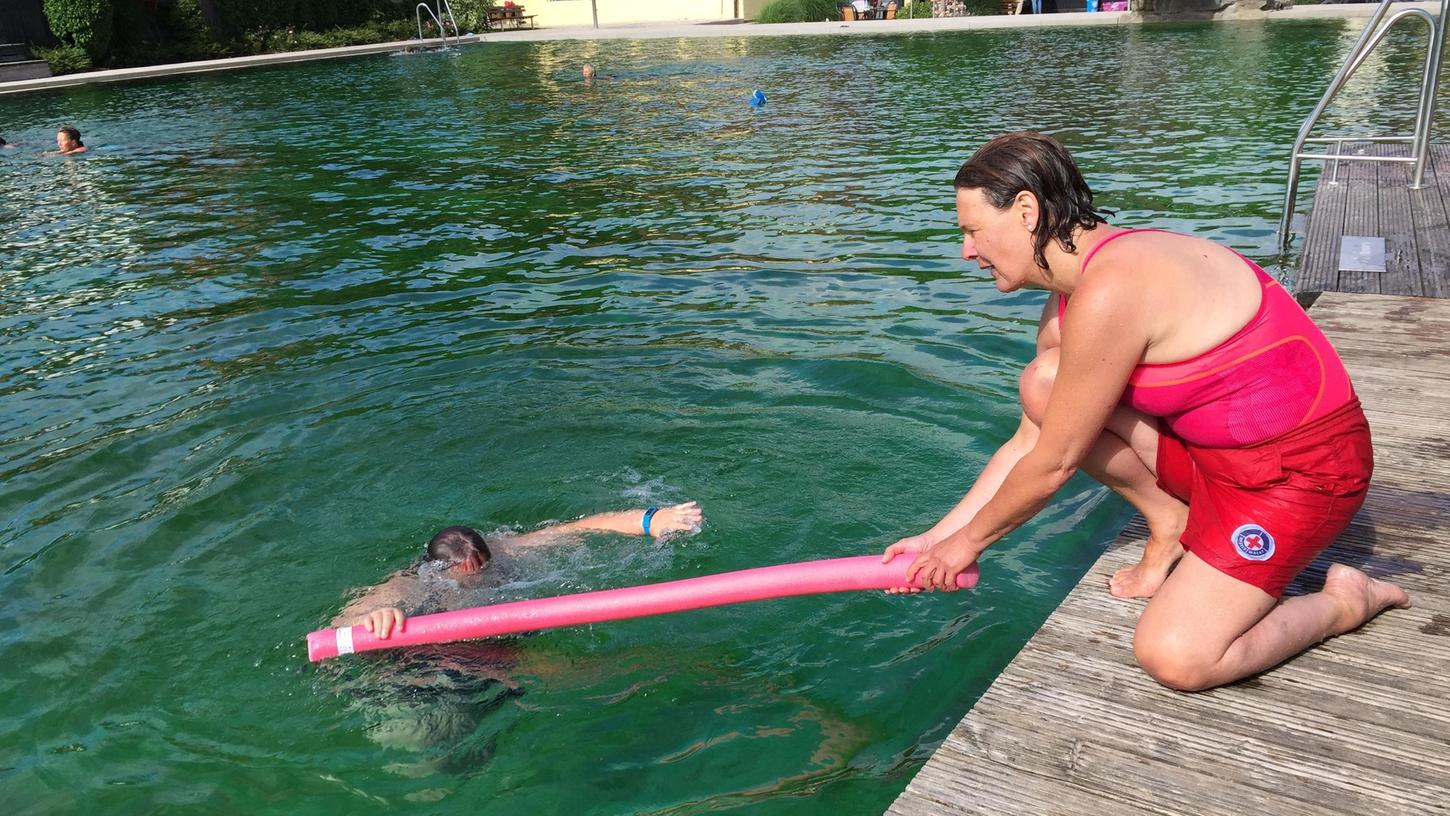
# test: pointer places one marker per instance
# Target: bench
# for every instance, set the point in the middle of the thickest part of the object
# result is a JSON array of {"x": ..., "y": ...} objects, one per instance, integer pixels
[{"x": 497, "y": 17}]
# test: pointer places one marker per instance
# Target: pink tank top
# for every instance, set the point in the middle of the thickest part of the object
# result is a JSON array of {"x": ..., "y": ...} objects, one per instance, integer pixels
[{"x": 1275, "y": 374}]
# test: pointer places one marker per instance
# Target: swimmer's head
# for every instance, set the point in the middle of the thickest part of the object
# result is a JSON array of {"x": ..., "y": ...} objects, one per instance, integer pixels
[
  {"x": 588, "y": 71},
  {"x": 1034, "y": 163},
  {"x": 68, "y": 138},
  {"x": 462, "y": 547}
]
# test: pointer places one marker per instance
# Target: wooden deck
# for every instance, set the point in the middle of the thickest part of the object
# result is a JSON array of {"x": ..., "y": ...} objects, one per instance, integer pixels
[
  {"x": 1358, "y": 725},
  {"x": 1374, "y": 200}
]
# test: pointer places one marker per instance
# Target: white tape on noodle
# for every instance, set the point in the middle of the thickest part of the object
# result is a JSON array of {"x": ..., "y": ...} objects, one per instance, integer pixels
[{"x": 344, "y": 640}]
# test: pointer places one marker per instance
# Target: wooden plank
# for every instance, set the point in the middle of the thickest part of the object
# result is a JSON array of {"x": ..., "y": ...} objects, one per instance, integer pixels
[
  {"x": 1399, "y": 314},
  {"x": 1319, "y": 263},
  {"x": 1432, "y": 223},
  {"x": 1361, "y": 217},
  {"x": 1203, "y": 720},
  {"x": 1396, "y": 225},
  {"x": 1359, "y": 724},
  {"x": 1432, "y": 228}
]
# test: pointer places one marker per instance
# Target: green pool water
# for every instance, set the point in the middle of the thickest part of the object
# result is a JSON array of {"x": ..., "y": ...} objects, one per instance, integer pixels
[{"x": 282, "y": 324}]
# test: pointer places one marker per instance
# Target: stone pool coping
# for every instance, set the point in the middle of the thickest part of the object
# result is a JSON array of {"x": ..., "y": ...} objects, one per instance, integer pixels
[{"x": 696, "y": 29}]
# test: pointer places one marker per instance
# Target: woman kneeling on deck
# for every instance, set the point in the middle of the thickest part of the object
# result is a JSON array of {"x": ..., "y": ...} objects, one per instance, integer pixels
[{"x": 1181, "y": 375}]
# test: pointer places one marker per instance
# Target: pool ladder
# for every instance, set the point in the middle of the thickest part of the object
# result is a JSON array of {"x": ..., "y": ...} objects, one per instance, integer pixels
[
  {"x": 1419, "y": 141},
  {"x": 446, "y": 9}
]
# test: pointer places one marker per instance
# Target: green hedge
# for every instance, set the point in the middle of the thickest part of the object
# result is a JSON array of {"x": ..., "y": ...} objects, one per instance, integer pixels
[
  {"x": 239, "y": 16},
  {"x": 918, "y": 8},
  {"x": 472, "y": 15},
  {"x": 67, "y": 59},
  {"x": 274, "y": 41},
  {"x": 188, "y": 37},
  {"x": 116, "y": 33},
  {"x": 85, "y": 24},
  {"x": 798, "y": 11}
]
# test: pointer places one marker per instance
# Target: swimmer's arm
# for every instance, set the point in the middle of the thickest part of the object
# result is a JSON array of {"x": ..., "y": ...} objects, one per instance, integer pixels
[{"x": 671, "y": 519}]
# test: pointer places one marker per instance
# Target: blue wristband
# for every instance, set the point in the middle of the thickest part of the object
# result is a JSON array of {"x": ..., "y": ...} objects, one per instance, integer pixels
[{"x": 648, "y": 514}]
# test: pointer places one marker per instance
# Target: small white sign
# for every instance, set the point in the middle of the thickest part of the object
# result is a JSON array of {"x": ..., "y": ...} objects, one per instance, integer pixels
[{"x": 1360, "y": 254}]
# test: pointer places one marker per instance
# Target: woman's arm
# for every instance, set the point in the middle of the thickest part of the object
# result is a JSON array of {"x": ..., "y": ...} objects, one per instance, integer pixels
[
  {"x": 989, "y": 481},
  {"x": 1097, "y": 357},
  {"x": 1049, "y": 336},
  {"x": 662, "y": 521},
  {"x": 981, "y": 492}
]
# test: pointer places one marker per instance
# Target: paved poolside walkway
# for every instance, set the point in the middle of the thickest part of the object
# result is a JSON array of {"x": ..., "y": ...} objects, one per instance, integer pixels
[{"x": 690, "y": 29}]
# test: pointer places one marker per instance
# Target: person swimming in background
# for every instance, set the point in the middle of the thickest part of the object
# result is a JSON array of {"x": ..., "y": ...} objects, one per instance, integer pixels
[
  {"x": 4, "y": 145},
  {"x": 68, "y": 142},
  {"x": 460, "y": 554},
  {"x": 591, "y": 74}
]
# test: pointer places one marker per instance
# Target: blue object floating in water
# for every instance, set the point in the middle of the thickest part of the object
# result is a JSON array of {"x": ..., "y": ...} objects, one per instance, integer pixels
[{"x": 758, "y": 98}]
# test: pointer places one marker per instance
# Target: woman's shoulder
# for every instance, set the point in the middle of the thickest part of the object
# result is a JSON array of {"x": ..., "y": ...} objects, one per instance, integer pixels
[
  {"x": 1138, "y": 273},
  {"x": 1141, "y": 262},
  {"x": 1142, "y": 244}
]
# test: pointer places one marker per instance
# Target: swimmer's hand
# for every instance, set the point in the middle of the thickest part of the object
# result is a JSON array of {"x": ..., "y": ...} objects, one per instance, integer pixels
[
  {"x": 910, "y": 544},
  {"x": 939, "y": 566},
  {"x": 383, "y": 622},
  {"x": 680, "y": 517}
]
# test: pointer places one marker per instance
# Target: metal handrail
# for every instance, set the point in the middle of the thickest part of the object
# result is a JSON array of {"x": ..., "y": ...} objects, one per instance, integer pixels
[
  {"x": 422, "y": 7},
  {"x": 447, "y": 8},
  {"x": 1419, "y": 140}
]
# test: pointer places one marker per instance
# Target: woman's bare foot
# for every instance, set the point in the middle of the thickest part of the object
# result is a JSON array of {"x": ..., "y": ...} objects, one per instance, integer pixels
[
  {"x": 677, "y": 518},
  {"x": 1159, "y": 555},
  {"x": 1360, "y": 596},
  {"x": 1143, "y": 578}
]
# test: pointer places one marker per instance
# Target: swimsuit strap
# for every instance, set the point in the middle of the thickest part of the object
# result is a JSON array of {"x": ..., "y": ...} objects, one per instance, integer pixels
[
  {"x": 1091, "y": 252},
  {"x": 1062, "y": 299}
]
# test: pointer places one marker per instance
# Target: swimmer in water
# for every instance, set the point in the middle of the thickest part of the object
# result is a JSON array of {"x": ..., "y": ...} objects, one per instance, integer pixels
[
  {"x": 461, "y": 554},
  {"x": 67, "y": 143},
  {"x": 437, "y": 700},
  {"x": 590, "y": 74}
]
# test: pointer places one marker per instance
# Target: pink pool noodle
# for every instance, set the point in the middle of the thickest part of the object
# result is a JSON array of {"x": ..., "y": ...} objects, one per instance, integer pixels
[{"x": 762, "y": 583}]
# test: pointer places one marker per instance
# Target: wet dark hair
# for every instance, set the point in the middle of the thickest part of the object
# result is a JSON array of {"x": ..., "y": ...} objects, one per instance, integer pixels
[
  {"x": 1034, "y": 162},
  {"x": 453, "y": 544},
  {"x": 73, "y": 133}
]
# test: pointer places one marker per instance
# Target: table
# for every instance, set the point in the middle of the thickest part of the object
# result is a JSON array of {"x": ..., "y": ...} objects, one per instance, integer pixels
[{"x": 499, "y": 15}]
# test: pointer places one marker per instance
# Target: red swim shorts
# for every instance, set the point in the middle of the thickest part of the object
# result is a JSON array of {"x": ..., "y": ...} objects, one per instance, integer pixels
[{"x": 1260, "y": 514}]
